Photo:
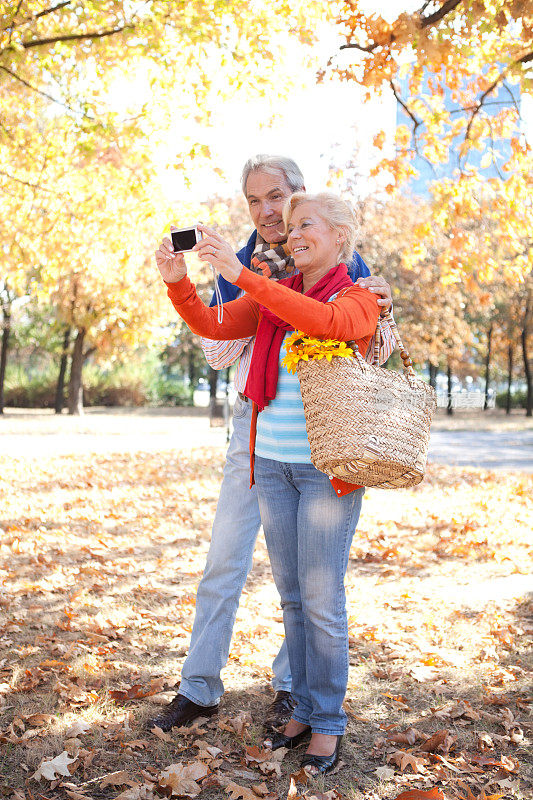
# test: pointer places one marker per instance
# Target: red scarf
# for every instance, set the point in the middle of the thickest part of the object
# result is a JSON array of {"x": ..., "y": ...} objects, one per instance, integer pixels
[{"x": 262, "y": 382}]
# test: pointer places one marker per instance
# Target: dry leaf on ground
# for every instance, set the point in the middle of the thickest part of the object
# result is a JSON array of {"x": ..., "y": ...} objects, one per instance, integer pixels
[
  {"x": 54, "y": 768},
  {"x": 182, "y": 778},
  {"x": 421, "y": 794},
  {"x": 235, "y": 792},
  {"x": 119, "y": 778}
]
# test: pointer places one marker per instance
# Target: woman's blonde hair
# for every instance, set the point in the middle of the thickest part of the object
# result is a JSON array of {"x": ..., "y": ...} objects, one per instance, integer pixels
[{"x": 338, "y": 214}]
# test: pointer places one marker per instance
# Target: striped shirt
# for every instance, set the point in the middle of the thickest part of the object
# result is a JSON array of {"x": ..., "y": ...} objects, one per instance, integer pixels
[{"x": 281, "y": 432}]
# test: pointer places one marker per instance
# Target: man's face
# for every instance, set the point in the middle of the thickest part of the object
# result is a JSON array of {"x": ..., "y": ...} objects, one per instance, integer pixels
[{"x": 266, "y": 193}]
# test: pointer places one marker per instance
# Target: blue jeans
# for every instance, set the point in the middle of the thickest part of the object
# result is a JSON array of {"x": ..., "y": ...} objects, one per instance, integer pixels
[
  {"x": 229, "y": 560},
  {"x": 309, "y": 530}
]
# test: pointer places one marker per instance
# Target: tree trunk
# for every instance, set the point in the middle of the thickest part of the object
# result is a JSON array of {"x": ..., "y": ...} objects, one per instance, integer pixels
[
  {"x": 75, "y": 386},
  {"x": 60, "y": 387},
  {"x": 525, "y": 355},
  {"x": 192, "y": 371},
  {"x": 449, "y": 407},
  {"x": 433, "y": 372},
  {"x": 487, "y": 366},
  {"x": 6, "y": 330},
  {"x": 510, "y": 359}
]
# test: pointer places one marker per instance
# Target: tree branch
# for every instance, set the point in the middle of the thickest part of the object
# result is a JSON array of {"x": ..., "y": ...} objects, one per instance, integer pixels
[
  {"x": 405, "y": 107},
  {"x": 25, "y": 183},
  {"x": 49, "y": 11},
  {"x": 425, "y": 22},
  {"x": 44, "y": 94},
  {"x": 366, "y": 49},
  {"x": 480, "y": 102},
  {"x": 71, "y": 37},
  {"x": 444, "y": 10},
  {"x": 13, "y": 16}
]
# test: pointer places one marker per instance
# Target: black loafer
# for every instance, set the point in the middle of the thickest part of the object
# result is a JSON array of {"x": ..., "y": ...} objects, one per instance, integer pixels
[
  {"x": 279, "y": 711},
  {"x": 180, "y": 711},
  {"x": 321, "y": 765},
  {"x": 290, "y": 742}
]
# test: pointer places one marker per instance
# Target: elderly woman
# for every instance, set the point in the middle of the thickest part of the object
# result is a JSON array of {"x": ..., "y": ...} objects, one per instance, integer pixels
[{"x": 309, "y": 520}]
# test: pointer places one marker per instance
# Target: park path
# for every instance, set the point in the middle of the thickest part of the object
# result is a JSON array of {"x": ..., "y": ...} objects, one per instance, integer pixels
[{"x": 37, "y": 434}]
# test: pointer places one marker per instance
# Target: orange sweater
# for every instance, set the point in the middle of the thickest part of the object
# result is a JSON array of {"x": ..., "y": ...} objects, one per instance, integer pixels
[{"x": 352, "y": 315}]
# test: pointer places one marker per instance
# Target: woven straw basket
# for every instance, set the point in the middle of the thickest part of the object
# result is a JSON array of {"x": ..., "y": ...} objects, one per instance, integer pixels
[{"x": 367, "y": 425}]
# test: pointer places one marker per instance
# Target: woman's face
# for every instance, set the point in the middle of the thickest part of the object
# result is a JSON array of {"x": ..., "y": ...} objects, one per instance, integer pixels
[{"x": 313, "y": 244}]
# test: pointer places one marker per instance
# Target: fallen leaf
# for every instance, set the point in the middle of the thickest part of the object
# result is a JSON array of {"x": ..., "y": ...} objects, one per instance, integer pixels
[
  {"x": 77, "y": 729},
  {"x": 137, "y": 792},
  {"x": 405, "y": 737},
  {"x": 385, "y": 773},
  {"x": 38, "y": 720},
  {"x": 120, "y": 778},
  {"x": 421, "y": 794},
  {"x": 235, "y": 792},
  {"x": 505, "y": 763},
  {"x": 260, "y": 789},
  {"x": 403, "y": 760},
  {"x": 54, "y": 768},
  {"x": 165, "y": 737},
  {"x": 441, "y": 740},
  {"x": 137, "y": 744},
  {"x": 181, "y": 778}
]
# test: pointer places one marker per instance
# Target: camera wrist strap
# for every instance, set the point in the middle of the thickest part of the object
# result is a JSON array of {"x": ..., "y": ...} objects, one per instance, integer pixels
[{"x": 218, "y": 295}]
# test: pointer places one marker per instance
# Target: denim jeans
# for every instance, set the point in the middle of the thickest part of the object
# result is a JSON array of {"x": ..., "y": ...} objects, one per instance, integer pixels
[
  {"x": 309, "y": 530},
  {"x": 229, "y": 560}
]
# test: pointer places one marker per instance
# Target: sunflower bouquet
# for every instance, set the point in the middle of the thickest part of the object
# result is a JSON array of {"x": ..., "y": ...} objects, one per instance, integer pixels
[{"x": 300, "y": 347}]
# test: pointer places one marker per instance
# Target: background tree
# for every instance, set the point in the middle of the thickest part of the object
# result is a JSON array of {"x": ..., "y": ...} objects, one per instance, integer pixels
[{"x": 451, "y": 66}]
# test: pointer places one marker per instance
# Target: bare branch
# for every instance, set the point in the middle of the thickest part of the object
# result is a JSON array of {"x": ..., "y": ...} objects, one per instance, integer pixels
[{"x": 71, "y": 37}]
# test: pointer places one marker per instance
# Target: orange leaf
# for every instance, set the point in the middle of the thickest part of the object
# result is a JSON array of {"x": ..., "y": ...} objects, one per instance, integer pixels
[{"x": 421, "y": 794}]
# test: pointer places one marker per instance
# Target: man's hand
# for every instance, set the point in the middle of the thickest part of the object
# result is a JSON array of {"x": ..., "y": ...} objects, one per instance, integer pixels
[
  {"x": 377, "y": 285},
  {"x": 171, "y": 265},
  {"x": 214, "y": 249}
]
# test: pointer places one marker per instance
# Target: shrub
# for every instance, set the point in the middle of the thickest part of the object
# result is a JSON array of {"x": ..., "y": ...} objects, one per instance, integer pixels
[
  {"x": 133, "y": 384},
  {"x": 518, "y": 399},
  {"x": 36, "y": 392}
]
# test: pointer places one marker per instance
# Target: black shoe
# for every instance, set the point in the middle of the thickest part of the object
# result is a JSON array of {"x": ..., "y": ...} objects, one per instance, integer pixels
[
  {"x": 180, "y": 711},
  {"x": 321, "y": 765},
  {"x": 279, "y": 711},
  {"x": 290, "y": 742}
]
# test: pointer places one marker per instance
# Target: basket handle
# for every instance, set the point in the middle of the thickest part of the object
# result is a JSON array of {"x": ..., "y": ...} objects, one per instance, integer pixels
[{"x": 404, "y": 355}]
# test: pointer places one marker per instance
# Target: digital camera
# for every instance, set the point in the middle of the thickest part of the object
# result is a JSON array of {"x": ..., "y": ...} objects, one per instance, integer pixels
[{"x": 184, "y": 239}]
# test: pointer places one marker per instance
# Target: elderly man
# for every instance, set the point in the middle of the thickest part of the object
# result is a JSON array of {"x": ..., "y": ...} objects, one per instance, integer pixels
[{"x": 267, "y": 182}]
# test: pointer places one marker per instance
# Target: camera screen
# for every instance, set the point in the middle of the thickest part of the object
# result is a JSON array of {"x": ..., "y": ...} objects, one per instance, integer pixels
[{"x": 183, "y": 240}]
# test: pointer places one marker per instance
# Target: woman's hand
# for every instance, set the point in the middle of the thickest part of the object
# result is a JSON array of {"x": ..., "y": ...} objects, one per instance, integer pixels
[
  {"x": 171, "y": 265},
  {"x": 214, "y": 249},
  {"x": 377, "y": 285}
]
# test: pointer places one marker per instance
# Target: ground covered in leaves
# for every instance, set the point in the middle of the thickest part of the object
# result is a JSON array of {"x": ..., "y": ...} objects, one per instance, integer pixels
[{"x": 100, "y": 557}]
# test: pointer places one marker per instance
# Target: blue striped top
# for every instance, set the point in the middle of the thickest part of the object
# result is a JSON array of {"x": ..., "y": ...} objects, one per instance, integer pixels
[{"x": 281, "y": 432}]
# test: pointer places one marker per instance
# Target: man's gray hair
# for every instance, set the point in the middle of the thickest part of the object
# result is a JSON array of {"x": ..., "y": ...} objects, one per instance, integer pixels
[{"x": 266, "y": 163}]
